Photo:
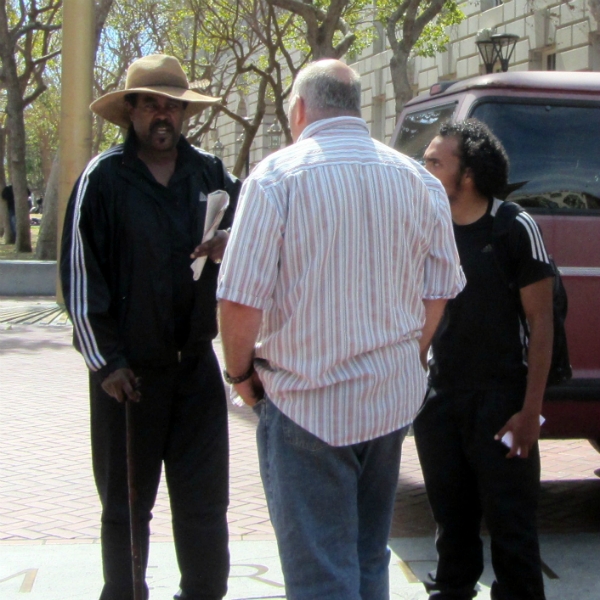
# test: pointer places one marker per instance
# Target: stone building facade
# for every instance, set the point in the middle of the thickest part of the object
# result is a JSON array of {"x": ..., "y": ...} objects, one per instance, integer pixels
[{"x": 553, "y": 35}]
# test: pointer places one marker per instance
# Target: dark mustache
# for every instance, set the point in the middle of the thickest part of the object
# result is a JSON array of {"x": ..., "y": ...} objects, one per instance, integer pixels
[{"x": 159, "y": 124}]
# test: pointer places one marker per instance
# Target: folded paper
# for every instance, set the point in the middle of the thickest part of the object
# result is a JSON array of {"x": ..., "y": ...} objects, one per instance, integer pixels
[{"x": 216, "y": 205}]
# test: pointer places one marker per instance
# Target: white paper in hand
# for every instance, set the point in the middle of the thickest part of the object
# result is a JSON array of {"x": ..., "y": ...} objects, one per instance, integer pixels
[
  {"x": 216, "y": 205},
  {"x": 507, "y": 438}
]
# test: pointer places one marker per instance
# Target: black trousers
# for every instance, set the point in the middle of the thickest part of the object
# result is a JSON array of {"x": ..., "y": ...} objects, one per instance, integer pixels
[
  {"x": 181, "y": 420},
  {"x": 467, "y": 477}
]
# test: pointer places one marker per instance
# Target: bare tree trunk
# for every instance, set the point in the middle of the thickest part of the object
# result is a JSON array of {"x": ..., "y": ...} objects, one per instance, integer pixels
[
  {"x": 101, "y": 10},
  {"x": 18, "y": 170},
  {"x": 412, "y": 19},
  {"x": 403, "y": 91},
  {"x": 4, "y": 225},
  {"x": 322, "y": 25},
  {"x": 46, "y": 248},
  {"x": 242, "y": 162},
  {"x": 16, "y": 134}
]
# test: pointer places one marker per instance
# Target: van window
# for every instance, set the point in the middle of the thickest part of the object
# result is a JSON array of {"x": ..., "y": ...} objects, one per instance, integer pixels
[
  {"x": 419, "y": 128},
  {"x": 553, "y": 151}
]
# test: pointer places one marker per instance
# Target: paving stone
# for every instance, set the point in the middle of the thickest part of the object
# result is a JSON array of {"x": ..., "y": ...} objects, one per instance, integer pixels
[{"x": 47, "y": 493}]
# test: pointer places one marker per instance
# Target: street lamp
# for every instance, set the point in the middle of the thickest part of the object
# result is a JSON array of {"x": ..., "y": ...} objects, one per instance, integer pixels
[
  {"x": 505, "y": 44},
  {"x": 218, "y": 148},
  {"x": 496, "y": 47},
  {"x": 274, "y": 132},
  {"x": 488, "y": 53}
]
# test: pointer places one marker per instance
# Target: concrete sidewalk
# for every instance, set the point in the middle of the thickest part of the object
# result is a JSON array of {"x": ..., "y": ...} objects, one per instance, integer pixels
[
  {"x": 49, "y": 511},
  {"x": 72, "y": 571}
]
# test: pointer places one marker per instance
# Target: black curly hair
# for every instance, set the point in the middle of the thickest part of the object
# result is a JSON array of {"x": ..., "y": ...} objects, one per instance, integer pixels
[{"x": 481, "y": 152}]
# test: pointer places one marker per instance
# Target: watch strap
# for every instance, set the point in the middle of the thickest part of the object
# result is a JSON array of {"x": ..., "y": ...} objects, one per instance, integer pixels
[{"x": 235, "y": 380}]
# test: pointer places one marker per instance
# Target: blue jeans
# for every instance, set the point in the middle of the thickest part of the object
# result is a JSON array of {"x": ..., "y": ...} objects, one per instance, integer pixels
[{"x": 331, "y": 508}]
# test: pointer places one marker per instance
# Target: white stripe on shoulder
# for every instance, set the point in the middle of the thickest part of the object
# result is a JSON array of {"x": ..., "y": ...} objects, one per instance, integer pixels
[
  {"x": 79, "y": 280},
  {"x": 201, "y": 151},
  {"x": 538, "y": 250}
]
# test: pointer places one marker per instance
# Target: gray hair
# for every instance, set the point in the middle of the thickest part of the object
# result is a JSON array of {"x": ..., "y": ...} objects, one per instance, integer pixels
[{"x": 325, "y": 92}]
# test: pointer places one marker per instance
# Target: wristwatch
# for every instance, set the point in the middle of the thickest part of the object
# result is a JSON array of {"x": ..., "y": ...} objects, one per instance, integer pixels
[{"x": 235, "y": 380}]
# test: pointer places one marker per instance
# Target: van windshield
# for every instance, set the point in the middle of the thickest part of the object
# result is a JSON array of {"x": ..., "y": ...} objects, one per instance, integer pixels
[
  {"x": 553, "y": 151},
  {"x": 419, "y": 128}
]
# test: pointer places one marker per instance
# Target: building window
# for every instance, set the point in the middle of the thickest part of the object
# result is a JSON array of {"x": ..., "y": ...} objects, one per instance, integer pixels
[{"x": 551, "y": 62}]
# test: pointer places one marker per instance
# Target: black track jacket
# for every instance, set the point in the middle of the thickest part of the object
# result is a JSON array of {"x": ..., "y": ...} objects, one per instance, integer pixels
[{"x": 115, "y": 264}]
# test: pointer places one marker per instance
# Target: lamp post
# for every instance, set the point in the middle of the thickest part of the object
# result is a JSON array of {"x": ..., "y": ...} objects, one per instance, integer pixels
[
  {"x": 274, "y": 132},
  {"x": 496, "y": 47}
]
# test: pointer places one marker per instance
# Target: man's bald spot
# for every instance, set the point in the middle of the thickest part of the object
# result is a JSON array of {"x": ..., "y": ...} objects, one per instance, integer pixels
[
  {"x": 329, "y": 88},
  {"x": 338, "y": 69}
]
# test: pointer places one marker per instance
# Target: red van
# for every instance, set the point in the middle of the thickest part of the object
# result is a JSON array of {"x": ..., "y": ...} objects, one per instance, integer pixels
[{"x": 549, "y": 123}]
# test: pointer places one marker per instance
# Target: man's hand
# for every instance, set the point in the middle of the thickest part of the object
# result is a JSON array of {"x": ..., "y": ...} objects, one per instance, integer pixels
[
  {"x": 213, "y": 248},
  {"x": 122, "y": 385},
  {"x": 423, "y": 356},
  {"x": 239, "y": 325},
  {"x": 251, "y": 390},
  {"x": 525, "y": 429},
  {"x": 434, "y": 310}
]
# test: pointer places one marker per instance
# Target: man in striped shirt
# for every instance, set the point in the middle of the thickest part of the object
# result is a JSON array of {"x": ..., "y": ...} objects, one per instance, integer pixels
[
  {"x": 337, "y": 271},
  {"x": 486, "y": 380}
]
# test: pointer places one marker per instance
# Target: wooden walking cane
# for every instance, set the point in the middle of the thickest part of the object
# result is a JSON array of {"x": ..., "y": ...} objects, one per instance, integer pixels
[{"x": 136, "y": 546}]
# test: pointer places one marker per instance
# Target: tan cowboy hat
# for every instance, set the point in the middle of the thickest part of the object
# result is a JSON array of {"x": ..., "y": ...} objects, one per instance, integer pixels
[{"x": 154, "y": 74}]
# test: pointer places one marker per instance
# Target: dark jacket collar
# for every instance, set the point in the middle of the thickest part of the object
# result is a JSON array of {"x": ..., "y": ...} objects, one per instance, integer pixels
[{"x": 185, "y": 154}]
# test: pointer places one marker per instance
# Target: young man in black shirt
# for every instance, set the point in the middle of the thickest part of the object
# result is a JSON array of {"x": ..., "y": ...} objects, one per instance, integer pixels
[{"x": 487, "y": 377}]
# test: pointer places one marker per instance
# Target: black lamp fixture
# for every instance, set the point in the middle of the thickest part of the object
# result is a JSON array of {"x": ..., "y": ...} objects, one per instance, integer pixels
[
  {"x": 274, "y": 132},
  {"x": 496, "y": 47}
]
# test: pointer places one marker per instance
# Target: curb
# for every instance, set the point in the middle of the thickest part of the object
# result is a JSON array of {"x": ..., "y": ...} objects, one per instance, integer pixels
[{"x": 27, "y": 277}]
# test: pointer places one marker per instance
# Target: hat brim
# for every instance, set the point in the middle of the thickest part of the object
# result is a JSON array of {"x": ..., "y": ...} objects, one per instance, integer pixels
[{"x": 112, "y": 106}]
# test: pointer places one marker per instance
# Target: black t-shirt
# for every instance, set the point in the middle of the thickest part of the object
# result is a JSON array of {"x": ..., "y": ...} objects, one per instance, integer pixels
[
  {"x": 481, "y": 342},
  {"x": 175, "y": 202}
]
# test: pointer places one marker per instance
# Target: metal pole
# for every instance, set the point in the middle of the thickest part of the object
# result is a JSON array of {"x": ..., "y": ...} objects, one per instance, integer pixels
[{"x": 76, "y": 96}]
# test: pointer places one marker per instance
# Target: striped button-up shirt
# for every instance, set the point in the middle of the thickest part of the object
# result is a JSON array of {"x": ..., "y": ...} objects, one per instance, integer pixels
[{"x": 338, "y": 239}]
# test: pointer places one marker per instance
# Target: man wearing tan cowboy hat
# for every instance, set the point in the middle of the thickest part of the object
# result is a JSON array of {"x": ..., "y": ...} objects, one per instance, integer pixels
[{"x": 145, "y": 326}]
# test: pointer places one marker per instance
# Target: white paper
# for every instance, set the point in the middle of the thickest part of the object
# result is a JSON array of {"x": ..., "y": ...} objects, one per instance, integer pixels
[
  {"x": 507, "y": 438},
  {"x": 216, "y": 205},
  {"x": 235, "y": 398}
]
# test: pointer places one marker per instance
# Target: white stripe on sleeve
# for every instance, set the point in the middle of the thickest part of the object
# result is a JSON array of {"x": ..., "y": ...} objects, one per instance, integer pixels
[
  {"x": 538, "y": 250},
  {"x": 79, "y": 281}
]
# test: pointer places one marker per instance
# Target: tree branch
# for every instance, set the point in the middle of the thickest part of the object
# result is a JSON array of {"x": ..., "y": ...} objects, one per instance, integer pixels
[
  {"x": 308, "y": 12},
  {"x": 46, "y": 58},
  {"x": 345, "y": 45},
  {"x": 35, "y": 26},
  {"x": 101, "y": 10},
  {"x": 39, "y": 90}
]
